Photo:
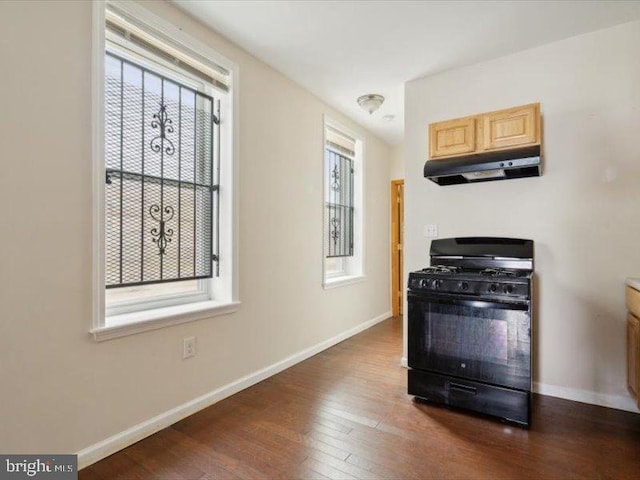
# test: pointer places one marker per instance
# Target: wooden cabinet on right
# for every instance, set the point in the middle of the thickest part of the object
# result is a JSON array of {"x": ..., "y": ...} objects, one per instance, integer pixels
[
  {"x": 633, "y": 359},
  {"x": 513, "y": 127},
  {"x": 633, "y": 342}
]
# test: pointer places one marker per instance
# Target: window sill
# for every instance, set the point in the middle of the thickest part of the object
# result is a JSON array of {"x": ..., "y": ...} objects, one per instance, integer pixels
[
  {"x": 342, "y": 281},
  {"x": 132, "y": 323}
]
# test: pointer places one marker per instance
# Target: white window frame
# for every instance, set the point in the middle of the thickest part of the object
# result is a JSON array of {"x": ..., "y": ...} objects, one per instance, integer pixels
[
  {"x": 216, "y": 296},
  {"x": 352, "y": 267}
]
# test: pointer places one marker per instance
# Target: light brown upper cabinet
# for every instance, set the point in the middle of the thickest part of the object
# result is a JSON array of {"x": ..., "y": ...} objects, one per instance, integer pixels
[
  {"x": 454, "y": 137},
  {"x": 510, "y": 128},
  {"x": 500, "y": 130}
]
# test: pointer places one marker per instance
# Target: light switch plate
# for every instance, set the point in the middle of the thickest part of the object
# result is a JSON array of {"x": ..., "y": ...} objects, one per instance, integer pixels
[{"x": 431, "y": 230}]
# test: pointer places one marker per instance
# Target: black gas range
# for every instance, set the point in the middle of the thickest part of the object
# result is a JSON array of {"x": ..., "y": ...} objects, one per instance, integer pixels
[{"x": 469, "y": 326}]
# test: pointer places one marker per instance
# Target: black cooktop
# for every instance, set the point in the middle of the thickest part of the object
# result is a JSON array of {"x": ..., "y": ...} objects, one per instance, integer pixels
[{"x": 479, "y": 272}]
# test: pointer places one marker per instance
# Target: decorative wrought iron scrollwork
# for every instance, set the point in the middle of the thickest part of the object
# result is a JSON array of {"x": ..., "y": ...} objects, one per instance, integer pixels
[
  {"x": 335, "y": 230},
  {"x": 161, "y": 235},
  {"x": 335, "y": 178},
  {"x": 162, "y": 121}
]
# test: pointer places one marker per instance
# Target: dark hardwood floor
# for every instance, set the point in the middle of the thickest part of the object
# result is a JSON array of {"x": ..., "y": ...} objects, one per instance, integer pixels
[{"x": 345, "y": 414}]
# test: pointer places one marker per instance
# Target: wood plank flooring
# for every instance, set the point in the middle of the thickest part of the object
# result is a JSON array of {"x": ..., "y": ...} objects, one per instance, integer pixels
[{"x": 345, "y": 414}]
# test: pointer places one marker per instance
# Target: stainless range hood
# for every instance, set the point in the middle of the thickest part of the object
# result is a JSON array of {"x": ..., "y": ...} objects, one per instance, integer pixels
[{"x": 483, "y": 167}]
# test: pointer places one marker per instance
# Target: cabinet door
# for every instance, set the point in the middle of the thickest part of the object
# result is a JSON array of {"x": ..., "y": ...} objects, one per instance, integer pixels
[
  {"x": 453, "y": 137},
  {"x": 633, "y": 357},
  {"x": 510, "y": 128}
]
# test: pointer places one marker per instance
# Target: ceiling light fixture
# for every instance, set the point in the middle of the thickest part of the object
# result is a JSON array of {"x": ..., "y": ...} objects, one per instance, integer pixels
[{"x": 370, "y": 102}]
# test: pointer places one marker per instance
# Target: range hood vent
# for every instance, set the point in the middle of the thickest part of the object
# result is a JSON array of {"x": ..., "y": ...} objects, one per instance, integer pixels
[{"x": 483, "y": 167}]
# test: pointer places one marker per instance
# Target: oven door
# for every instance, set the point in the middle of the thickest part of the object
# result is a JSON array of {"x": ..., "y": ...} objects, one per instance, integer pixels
[{"x": 477, "y": 340}]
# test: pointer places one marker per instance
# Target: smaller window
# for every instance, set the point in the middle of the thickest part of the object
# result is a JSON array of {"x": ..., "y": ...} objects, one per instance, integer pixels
[
  {"x": 339, "y": 204},
  {"x": 342, "y": 205}
]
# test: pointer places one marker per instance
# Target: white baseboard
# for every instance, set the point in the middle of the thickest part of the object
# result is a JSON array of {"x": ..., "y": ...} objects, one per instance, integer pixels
[
  {"x": 117, "y": 442},
  {"x": 404, "y": 362},
  {"x": 620, "y": 402}
]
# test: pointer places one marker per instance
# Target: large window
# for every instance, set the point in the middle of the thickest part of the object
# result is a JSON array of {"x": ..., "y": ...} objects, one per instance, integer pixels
[
  {"x": 342, "y": 206},
  {"x": 166, "y": 140},
  {"x": 161, "y": 190}
]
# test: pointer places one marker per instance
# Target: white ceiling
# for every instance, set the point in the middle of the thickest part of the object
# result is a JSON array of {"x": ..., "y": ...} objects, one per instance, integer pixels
[{"x": 341, "y": 50}]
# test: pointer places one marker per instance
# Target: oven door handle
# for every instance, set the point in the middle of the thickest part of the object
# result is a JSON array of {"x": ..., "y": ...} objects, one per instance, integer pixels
[{"x": 468, "y": 302}]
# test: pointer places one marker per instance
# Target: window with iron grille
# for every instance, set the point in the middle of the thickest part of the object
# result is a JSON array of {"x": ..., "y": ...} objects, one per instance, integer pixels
[
  {"x": 338, "y": 203},
  {"x": 343, "y": 206},
  {"x": 166, "y": 149},
  {"x": 161, "y": 177},
  {"x": 165, "y": 235}
]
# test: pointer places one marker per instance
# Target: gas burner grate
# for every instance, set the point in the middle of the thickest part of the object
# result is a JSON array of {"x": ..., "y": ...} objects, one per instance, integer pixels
[
  {"x": 440, "y": 269},
  {"x": 499, "y": 272}
]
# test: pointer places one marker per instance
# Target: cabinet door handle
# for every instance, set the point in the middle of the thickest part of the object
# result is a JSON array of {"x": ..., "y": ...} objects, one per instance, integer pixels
[{"x": 463, "y": 388}]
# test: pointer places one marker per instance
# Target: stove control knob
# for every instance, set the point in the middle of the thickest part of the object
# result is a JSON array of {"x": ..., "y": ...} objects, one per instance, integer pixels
[
  {"x": 463, "y": 285},
  {"x": 435, "y": 284},
  {"x": 493, "y": 287},
  {"x": 508, "y": 289},
  {"x": 423, "y": 283}
]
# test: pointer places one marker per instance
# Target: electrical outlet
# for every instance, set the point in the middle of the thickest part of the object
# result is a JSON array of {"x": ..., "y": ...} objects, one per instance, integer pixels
[
  {"x": 431, "y": 231},
  {"x": 189, "y": 347}
]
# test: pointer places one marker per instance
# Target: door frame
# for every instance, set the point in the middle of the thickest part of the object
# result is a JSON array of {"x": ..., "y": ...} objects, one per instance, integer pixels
[{"x": 397, "y": 224}]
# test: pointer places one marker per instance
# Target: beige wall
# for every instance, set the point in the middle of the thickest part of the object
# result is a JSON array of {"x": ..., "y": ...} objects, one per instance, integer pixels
[
  {"x": 396, "y": 165},
  {"x": 61, "y": 391},
  {"x": 582, "y": 212}
]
